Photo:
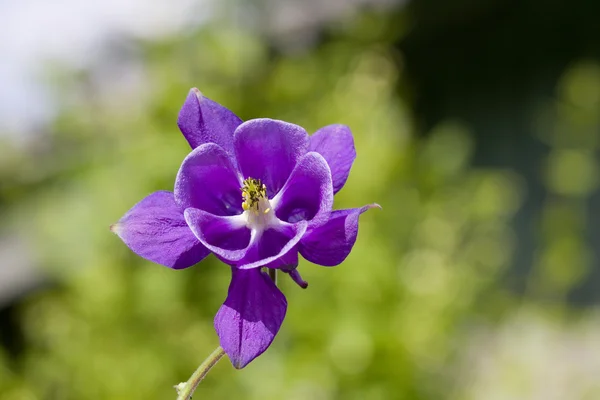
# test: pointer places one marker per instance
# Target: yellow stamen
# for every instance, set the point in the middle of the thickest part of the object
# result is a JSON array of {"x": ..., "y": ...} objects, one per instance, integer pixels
[
  {"x": 252, "y": 192},
  {"x": 255, "y": 203}
]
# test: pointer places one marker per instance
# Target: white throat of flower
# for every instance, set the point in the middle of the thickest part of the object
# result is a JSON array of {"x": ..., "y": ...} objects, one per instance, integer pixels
[{"x": 257, "y": 209}]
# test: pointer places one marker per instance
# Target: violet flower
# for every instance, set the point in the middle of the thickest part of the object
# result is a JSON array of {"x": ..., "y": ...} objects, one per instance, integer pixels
[{"x": 255, "y": 194}]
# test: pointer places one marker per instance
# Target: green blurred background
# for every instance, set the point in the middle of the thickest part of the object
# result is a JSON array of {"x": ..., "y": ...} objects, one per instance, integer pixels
[{"x": 477, "y": 127}]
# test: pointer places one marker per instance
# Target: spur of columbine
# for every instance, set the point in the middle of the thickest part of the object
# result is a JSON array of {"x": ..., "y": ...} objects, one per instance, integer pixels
[{"x": 255, "y": 194}]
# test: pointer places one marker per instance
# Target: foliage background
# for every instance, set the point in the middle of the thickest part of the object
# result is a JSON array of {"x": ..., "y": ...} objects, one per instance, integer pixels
[{"x": 477, "y": 280}]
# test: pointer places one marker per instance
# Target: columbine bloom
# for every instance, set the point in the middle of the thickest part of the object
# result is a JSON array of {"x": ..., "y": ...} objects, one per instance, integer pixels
[{"x": 255, "y": 194}]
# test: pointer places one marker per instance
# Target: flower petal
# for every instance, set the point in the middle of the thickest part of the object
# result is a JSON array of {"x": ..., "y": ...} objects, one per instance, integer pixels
[
  {"x": 250, "y": 317},
  {"x": 336, "y": 145},
  {"x": 156, "y": 230},
  {"x": 308, "y": 193},
  {"x": 207, "y": 180},
  {"x": 330, "y": 244},
  {"x": 275, "y": 248},
  {"x": 268, "y": 149},
  {"x": 296, "y": 277},
  {"x": 202, "y": 120},
  {"x": 227, "y": 237}
]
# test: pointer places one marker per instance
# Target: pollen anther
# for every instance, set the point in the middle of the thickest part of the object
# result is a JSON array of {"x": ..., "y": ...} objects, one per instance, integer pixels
[
  {"x": 252, "y": 192},
  {"x": 256, "y": 204}
]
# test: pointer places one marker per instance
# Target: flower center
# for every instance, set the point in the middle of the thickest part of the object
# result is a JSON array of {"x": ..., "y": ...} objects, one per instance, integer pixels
[{"x": 256, "y": 205}]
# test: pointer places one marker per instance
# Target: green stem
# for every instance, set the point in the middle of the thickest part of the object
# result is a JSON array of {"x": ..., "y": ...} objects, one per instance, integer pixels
[
  {"x": 273, "y": 275},
  {"x": 186, "y": 389}
]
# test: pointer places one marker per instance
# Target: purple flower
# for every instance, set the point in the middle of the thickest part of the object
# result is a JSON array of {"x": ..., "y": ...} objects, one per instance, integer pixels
[{"x": 255, "y": 194}]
